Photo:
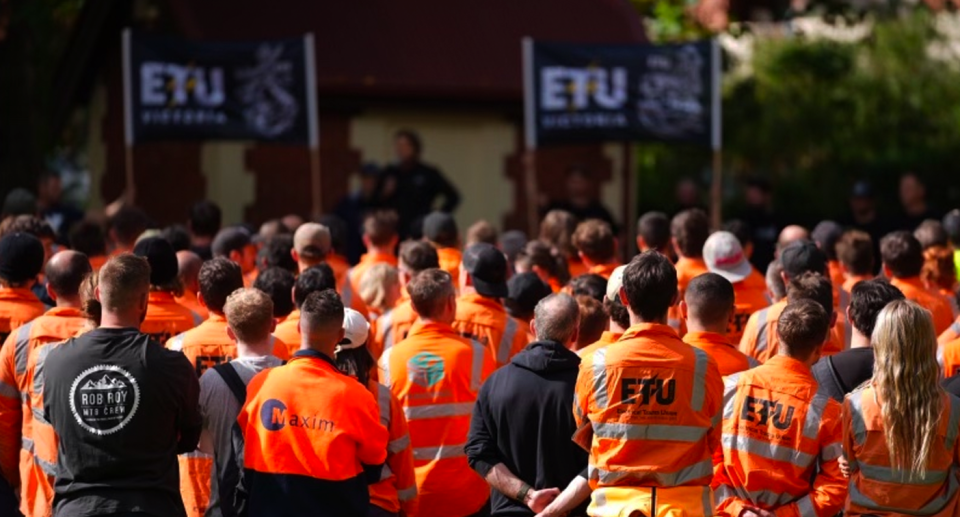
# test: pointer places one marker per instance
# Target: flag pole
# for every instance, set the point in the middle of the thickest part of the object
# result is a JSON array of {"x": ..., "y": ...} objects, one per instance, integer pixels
[
  {"x": 530, "y": 138},
  {"x": 313, "y": 123},
  {"x": 129, "y": 194},
  {"x": 716, "y": 187}
]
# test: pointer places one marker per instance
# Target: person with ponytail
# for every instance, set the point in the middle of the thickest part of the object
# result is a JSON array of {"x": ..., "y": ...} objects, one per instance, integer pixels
[{"x": 901, "y": 428}]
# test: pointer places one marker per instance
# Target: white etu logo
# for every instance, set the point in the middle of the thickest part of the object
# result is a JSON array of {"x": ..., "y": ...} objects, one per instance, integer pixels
[
  {"x": 170, "y": 84},
  {"x": 566, "y": 88}
]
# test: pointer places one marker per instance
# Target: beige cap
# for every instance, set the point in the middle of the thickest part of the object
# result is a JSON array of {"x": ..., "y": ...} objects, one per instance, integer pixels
[
  {"x": 312, "y": 240},
  {"x": 615, "y": 283}
]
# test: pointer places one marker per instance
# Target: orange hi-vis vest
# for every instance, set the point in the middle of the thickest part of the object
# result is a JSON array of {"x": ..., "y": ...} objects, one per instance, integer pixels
[
  {"x": 485, "y": 320},
  {"x": 18, "y": 305},
  {"x": 309, "y": 432},
  {"x": 722, "y": 350},
  {"x": 397, "y": 489},
  {"x": 781, "y": 444},
  {"x": 761, "y": 342},
  {"x": 190, "y": 301},
  {"x": 167, "y": 318},
  {"x": 876, "y": 487},
  {"x": 205, "y": 346},
  {"x": 854, "y": 280},
  {"x": 339, "y": 265},
  {"x": 397, "y": 326},
  {"x": 951, "y": 334},
  {"x": 948, "y": 355},
  {"x": 436, "y": 374},
  {"x": 748, "y": 299},
  {"x": 914, "y": 290},
  {"x": 37, "y": 487},
  {"x": 687, "y": 270},
  {"x": 18, "y": 463},
  {"x": 289, "y": 332},
  {"x": 606, "y": 339},
  {"x": 350, "y": 293},
  {"x": 835, "y": 272},
  {"x": 648, "y": 408},
  {"x": 576, "y": 266},
  {"x": 604, "y": 270},
  {"x": 450, "y": 259}
]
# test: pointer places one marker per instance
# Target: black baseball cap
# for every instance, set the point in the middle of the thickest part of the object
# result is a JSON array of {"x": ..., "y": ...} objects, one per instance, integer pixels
[
  {"x": 21, "y": 257},
  {"x": 525, "y": 292},
  {"x": 827, "y": 233},
  {"x": 488, "y": 269},
  {"x": 234, "y": 238},
  {"x": 163, "y": 260},
  {"x": 440, "y": 227},
  {"x": 802, "y": 256}
]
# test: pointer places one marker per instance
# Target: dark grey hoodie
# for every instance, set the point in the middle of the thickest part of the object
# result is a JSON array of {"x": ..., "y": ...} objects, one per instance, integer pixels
[{"x": 523, "y": 418}]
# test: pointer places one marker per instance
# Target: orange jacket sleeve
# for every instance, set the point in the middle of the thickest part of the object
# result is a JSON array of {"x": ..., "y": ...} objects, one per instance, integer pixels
[
  {"x": 11, "y": 414},
  {"x": 400, "y": 459},
  {"x": 748, "y": 342},
  {"x": 829, "y": 490},
  {"x": 371, "y": 436},
  {"x": 715, "y": 391}
]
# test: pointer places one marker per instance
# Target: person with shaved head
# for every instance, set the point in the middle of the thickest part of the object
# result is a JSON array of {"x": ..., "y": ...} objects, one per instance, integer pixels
[
  {"x": 791, "y": 234},
  {"x": 188, "y": 266},
  {"x": 64, "y": 273}
]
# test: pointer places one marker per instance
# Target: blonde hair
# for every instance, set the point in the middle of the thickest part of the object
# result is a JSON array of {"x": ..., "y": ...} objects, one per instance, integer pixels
[
  {"x": 249, "y": 313},
  {"x": 376, "y": 283},
  {"x": 906, "y": 378}
]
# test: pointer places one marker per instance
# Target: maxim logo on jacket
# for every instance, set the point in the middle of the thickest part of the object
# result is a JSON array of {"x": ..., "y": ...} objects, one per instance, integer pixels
[{"x": 274, "y": 416}]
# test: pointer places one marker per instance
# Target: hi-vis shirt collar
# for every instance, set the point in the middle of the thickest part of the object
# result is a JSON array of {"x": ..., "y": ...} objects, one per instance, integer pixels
[
  {"x": 493, "y": 304},
  {"x": 161, "y": 297},
  {"x": 313, "y": 354},
  {"x": 713, "y": 338},
  {"x": 18, "y": 294},
  {"x": 649, "y": 331},
  {"x": 432, "y": 327},
  {"x": 790, "y": 364}
]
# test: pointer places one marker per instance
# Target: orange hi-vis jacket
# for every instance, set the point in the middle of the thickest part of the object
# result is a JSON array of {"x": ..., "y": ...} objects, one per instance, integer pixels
[
  {"x": 652, "y": 405},
  {"x": 606, "y": 339},
  {"x": 401, "y": 320},
  {"x": 309, "y": 433},
  {"x": 397, "y": 489},
  {"x": 948, "y": 355},
  {"x": 37, "y": 486},
  {"x": 485, "y": 320},
  {"x": 854, "y": 280},
  {"x": 97, "y": 262},
  {"x": 781, "y": 444},
  {"x": 190, "y": 301},
  {"x": 18, "y": 305},
  {"x": 576, "y": 267},
  {"x": 167, "y": 318},
  {"x": 879, "y": 489},
  {"x": 687, "y": 270},
  {"x": 914, "y": 290},
  {"x": 450, "y": 259},
  {"x": 749, "y": 297},
  {"x": 729, "y": 359},
  {"x": 835, "y": 272},
  {"x": 205, "y": 346},
  {"x": 17, "y": 461},
  {"x": 436, "y": 374},
  {"x": 340, "y": 266},
  {"x": 951, "y": 334},
  {"x": 289, "y": 332},
  {"x": 760, "y": 340},
  {"x": 604, "y": 270},
  {"x": 351, "y": 287}
]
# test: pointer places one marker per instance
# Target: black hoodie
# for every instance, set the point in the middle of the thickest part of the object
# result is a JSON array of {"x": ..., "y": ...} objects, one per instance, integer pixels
[{"x": 523, "y": 418}]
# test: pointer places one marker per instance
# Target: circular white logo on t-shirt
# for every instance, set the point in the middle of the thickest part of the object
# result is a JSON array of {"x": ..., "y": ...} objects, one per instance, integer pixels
[{"x": 104, "y": 398}]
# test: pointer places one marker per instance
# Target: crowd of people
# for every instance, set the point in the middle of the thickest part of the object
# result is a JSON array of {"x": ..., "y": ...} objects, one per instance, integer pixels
[{"x": 202, "y": 370}]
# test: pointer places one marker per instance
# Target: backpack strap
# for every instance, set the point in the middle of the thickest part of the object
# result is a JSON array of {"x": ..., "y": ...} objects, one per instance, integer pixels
[{"x": 233, "y": 380}]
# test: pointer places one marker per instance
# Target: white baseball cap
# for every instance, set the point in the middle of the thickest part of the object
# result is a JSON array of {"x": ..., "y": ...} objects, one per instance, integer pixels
[
  {"x": 355, "y": 330},
  {"x": 724, "y": 256},
  {"x": 615, "y": 283}
]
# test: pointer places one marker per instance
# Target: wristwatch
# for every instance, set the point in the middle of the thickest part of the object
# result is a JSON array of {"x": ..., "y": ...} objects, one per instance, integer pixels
[{"x": 522, "y": 494}]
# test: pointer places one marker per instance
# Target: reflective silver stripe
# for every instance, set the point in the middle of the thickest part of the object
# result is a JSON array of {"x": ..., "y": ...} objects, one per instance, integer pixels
[
  {"x": 439, "y": 453},
  {"x": 385, "y": 367},
  {"x": 407, "y": 494},
  {"x": 699, "y": 379},
  {"x": 724, "y": 492},
  {"x": 48, "y": 468},
  {"x": 763, "y": 339},
  {"x": 506, "y": 341},
  {"x": 831, "y": 452},
  {"x": 952, "y": 427},
  {"x": 399, "y": 444},
  {"x": 955, "y": 327},
  {"x": 439, "y": 410},
  {"x": 936, "y": 505},
  {"x": 386, "y": 324},
  {"x": 476, "y": 372},
  {"x": 811, "y": 426},
  {"x": 600, "y": 377},
  {"x": 196, "y": 454},
  {"x": 902, "y": 477},
  {"x": 706, "y": 501},
  {"x": 704, "y": 469},
  {"x": 765, "y": 497},
  {"x": 383, "y": 400},
  {"x": 940, "y": 356},
  {"x": 577, "y": 411},
  {"x": 729, "y": 395},
  {"x": 22, "y": 349},
  {"x": 385, "y": 472},
  {"x": 197, "y": 319},
  {"x": 176, "y": 342},
  {"x": 767, "y": 450},
  {"x": 621, "y": 431},
  {"x": 8, "y": 391},
  {"x": 856, "y": 417},
  {"x": 38, "y": 416},
  {"x": 26, "y": 444},
  {"x": 805, "y": 507},
  {"x": 38, "y": 369},
  {"x": 752, "y": 362},
  {"x": 346, "y": 294}
]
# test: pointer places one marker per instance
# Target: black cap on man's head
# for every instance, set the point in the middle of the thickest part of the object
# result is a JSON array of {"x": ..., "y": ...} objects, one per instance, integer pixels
[
  {"x": 163, "y": 260},
  {"x": 525, "y": 292},
  {"x": 802, "y": 256},
  {"x": 441, "y": 228},
  {"x": 488, "y": 268},
  {"x": 21, "y": 257}
]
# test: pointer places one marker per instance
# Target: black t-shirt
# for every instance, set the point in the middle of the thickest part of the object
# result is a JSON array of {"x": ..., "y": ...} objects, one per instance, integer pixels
[
  {"x": 123, "y": 407},
  {"x": 415, "y": 189},
  {"x": 842, "y": 373}
]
